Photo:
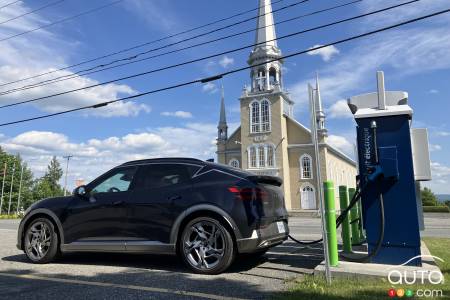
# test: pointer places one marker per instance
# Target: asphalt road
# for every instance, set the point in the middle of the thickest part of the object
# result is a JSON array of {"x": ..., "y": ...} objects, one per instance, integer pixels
[{"x": 121, "y": 276}]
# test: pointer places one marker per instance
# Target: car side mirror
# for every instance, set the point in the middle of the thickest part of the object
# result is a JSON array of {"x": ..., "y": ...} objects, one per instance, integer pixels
[{"x": 80, "y": 191}]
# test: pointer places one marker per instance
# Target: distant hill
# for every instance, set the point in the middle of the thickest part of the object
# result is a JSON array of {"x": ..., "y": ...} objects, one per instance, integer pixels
[{"x": 443, "y": 197}]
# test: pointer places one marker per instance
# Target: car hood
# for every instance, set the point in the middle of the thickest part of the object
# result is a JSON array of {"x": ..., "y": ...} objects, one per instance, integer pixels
[{"x": 50, "y": 203}]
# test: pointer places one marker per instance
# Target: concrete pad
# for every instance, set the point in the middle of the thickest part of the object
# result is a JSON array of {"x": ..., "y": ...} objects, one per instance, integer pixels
[{"x": 429, "y": 272}]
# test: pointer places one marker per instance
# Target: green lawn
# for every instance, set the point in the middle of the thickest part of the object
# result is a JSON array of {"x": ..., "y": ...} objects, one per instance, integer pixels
[
  {"x": 9, "y": 217},
  {"x": 310, "y": 287}
]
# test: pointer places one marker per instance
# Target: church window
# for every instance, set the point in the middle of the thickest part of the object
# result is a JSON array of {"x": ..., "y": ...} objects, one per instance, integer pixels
[
  {"x": 265, "y": 116},
  {"x": 305, "y": 167},
  {"x": 234, "y": 163},
  {"x": 252, "y": 157},
  {"x": 273, "y": 76},
  {"x": 270, "y": 156},
  {"x": 255, "y": 117},
  {"x": 260, "y": 116},
  {"x": 262, "y": 156},
  {"x": 260, "y": 80}
]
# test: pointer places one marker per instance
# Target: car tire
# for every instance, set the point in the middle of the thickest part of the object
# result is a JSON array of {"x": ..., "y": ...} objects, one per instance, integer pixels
[
  {"x": 41, "y": 242},
  {"x": 206, "y": 246}
]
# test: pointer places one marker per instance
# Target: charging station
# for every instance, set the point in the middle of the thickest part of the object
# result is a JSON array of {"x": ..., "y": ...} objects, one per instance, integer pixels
[{"x": 392, "y": 159}]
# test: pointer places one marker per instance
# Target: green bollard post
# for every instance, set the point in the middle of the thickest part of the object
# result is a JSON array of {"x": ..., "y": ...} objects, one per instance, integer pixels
[
  {"x": 330, "y": 220},
  {"x": 354, "y": 215},
  {"x": 346, "y": 235}
]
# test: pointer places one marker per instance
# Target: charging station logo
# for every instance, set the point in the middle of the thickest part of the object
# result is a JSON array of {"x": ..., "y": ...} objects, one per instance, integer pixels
[{"x": 399, "y": 276}]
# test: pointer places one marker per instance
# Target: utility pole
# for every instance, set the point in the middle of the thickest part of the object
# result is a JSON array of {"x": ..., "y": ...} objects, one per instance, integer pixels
[
  {"x": 68, "y": 157},
  {"x": 20, "y": 189},
  {"x": 3, "y": 187},
  {"x": 312, "y": 102},
  {"x": 11, "y": 189}
]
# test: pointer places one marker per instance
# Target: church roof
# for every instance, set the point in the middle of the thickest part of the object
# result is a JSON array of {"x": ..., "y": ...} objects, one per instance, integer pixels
[{"x": 330, "y": 147}]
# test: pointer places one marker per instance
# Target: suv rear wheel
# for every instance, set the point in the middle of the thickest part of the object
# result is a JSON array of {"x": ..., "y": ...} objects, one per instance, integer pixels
[
  {"x": 206, "y": 246},
  {"x": 41, "y": 241}
]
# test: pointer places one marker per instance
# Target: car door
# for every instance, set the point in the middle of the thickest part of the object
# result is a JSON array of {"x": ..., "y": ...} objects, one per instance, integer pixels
[
  {"x": 160, "y": 193},
  {"x": 98, "y": 220}
]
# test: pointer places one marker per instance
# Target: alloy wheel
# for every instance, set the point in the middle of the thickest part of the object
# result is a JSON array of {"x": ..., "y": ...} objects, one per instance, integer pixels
[
  {"x": 204, "y": 245},
  {"x": 38, "y": 240}
]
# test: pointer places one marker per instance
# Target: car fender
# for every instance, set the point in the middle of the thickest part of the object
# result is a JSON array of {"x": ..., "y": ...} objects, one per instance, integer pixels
[
  {"x": 34, "y": 212},
  {"x": 199, "y": 207}
]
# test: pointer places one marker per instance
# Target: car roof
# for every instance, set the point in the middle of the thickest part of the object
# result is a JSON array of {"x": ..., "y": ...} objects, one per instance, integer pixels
[{"x": 165, "y": 160}]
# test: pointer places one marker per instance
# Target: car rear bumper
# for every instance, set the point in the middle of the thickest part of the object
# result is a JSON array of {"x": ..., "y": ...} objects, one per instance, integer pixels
[{"x": 263, "y": 238}]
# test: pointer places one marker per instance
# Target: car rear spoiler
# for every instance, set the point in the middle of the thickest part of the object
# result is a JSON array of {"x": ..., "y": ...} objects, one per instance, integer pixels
[{"x": 265, "y": 179}]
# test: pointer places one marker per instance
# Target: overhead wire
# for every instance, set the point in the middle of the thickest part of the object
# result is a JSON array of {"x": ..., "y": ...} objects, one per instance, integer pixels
[
  {"x": 133, "y": 59},
  {"x": 32, "y": 11},
  {"x": 218, "y": 76},
  {"x": 136, "y": 46},
  {"x": 208, "y": 57},
  {"x": 95, "y": 9}
]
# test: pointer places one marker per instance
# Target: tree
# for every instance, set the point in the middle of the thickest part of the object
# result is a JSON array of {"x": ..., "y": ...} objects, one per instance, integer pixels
[
  {"x": 428, "y": 197},
  {"x": 48, "y": 186},
  {"x": 25, "y": 186}
]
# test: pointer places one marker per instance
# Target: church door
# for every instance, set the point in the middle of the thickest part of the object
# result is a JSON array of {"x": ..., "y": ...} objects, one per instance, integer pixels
[{"x": 308, "y": 197}]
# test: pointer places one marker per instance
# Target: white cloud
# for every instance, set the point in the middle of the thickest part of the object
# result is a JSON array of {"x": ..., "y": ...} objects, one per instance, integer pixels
[
  {"x": 442, "y": 133},
  {"x": 94, "y": 156},
  {"x": 226, "y": 61},
  {"x": 339, "y": 110},
  {"x": 39, "y": 53},
  {"x": 433, "y": 91},
  {"x": 178, "y": 114},
  {"x": 434, "y": 147},
  {"x": 210, "y": 88},
  {"x": 326, "y": 53},
  {"x": 441, "y": 178},
  {"x": 342, "y": 144}
]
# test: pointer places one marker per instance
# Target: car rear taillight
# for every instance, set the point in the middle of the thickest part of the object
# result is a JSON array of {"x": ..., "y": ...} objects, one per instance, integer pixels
[{"x": 247, "y": 194}]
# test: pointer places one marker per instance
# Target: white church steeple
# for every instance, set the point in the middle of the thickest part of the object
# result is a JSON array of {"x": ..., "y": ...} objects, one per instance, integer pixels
[{"x": 265, "y": 77}]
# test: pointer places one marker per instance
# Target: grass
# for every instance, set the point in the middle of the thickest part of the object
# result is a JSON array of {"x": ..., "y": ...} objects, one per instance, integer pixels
[
  {"x": 310, "y": 287},
  {"x": 2, "y": 217}
]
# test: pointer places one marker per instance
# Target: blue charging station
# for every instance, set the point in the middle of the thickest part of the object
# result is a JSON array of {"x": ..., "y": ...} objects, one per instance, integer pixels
[{"x": 387, "y": 177}]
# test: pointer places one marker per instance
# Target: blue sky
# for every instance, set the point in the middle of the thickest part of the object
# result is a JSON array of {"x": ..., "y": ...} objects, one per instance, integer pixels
[{"x": 183, "y": 122}]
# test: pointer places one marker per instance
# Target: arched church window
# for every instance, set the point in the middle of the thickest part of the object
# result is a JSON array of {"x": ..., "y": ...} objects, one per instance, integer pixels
[
  {"x": 252, "y": 155},
  {"x": 260, "y": 79},
  {"x": 305, "y": 167},
  {"x": 255, "y": 119},
  {"x": 273, "y": 76},
  {"x": 265, "y": 116},
  {"x": 234, "y": 163}
]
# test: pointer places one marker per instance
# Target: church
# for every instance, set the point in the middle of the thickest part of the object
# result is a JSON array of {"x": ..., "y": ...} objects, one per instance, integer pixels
[{"x": 270, "y": 141}]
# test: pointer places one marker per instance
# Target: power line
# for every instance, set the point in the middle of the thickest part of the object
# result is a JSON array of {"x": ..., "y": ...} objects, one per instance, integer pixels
[
  {"x": 133, "y": 59},
  {"x": 137, "y": 46},
  {"x": 32, "y": 11},
  {"x": 210, "y": 56},
  {"x": 218, "y": 76},
  {"x": 62, "y": 20},
  {"x": 10, "y": 3}
]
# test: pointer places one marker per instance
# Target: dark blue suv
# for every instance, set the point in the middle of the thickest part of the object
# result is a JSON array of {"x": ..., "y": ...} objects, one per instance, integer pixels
[{"x": 205, "y": 212}]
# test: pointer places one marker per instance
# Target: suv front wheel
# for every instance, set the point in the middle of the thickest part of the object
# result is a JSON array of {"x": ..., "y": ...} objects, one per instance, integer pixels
[
  {"x": 41, "y": 241},
  {"x": 206, "y": 246}
]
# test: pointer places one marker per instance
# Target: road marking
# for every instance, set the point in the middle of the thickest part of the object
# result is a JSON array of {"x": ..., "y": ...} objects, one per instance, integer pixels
[
  {"x": 121, "y": 286},
  {"x": 8, "y": 229}
]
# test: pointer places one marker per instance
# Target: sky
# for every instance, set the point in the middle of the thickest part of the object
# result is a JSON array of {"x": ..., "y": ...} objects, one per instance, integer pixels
[{"x": 183, "y": 122}]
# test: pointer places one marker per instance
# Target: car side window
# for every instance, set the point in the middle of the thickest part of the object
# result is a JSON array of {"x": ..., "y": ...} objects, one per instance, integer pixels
[
  {"x": 161, "y": 175},
  {"x": 117, "y": 181}
]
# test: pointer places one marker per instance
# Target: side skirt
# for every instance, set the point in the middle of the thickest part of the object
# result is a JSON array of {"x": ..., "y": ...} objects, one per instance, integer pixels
[{"x": 150, "y": 247}]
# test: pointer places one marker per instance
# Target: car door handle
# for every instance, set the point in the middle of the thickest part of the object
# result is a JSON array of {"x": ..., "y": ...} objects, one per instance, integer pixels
[
  {"x": 174, "y": 198},
  {"x": 118, "y": 202}
]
